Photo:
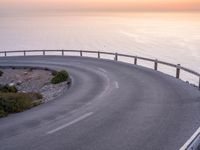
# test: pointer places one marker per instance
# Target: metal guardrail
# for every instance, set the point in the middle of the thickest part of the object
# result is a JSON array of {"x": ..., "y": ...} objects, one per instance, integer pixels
[{"x": 156, "y": 62}]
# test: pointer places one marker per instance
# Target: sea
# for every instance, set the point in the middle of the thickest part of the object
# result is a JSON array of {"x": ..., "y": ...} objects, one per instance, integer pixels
[{"x": 168, "y": 36}]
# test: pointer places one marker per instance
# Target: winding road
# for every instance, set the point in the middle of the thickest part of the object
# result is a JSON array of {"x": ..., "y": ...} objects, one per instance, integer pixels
[{"x": 109, "y": 106}]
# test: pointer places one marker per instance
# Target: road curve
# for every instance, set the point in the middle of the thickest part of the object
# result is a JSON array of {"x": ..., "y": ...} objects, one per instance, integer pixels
[{"x": 110, "y": 106}]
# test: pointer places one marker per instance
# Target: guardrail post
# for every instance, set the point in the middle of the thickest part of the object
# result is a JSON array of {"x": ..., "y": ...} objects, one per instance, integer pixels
[
  {"x": 199, "y": 83},
  {"x": 156, "y": 65},
  {"x": 116, "y": 57},
  {"x": 178, "y": 71},
  {"x": 5, "y": 54},
  {"x": 24, "y": 53},
  {"x": 135, "y": 61},
  {"x": 43, "y": 52},
  {"x": 63, "y": 53},
  {"x": 99, "y": 55},
  {"x": 81, "y": 53}
]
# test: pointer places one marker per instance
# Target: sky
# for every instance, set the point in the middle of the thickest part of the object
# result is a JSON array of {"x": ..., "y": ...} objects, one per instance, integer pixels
[{"x": 100, "y": 5}]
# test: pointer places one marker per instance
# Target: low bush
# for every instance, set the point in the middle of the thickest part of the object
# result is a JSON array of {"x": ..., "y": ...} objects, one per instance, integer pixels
[
  {"x": 1, "y": 73},
  {"x": 2, "y": 112},
  {"x": 15, "y": 102},
  {"x": 61, "y": 76},
  {"x": 7, "y": 89},
  {"x": 18, "y": 102}
]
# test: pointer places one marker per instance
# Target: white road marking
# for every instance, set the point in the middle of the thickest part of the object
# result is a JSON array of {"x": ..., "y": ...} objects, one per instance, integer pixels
[
  {"x": 185, "y": 146},
  {"x": 70, "y": 123},
  {"x": 116, "y": 84},
  {"x": 110, "y": 85},
  {"x": 103, "y": 70}
]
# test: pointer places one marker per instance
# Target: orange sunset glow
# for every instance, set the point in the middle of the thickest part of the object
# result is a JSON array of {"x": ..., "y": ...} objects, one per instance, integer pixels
[{"x": 103, "y": 5}]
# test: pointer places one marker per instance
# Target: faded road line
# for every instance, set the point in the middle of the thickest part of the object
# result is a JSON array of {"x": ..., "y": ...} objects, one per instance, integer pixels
[
  {"x": 116, "y": 84},
  {"x": 103, "y": 70},
  {"x": 70, "y": 123}
]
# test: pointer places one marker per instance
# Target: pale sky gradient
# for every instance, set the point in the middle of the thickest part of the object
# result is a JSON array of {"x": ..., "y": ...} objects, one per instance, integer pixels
[{"x": 100, "y": 5}]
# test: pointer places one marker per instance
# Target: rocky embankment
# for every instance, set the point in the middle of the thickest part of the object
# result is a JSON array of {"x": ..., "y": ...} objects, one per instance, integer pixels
[{"x": 33, "y": 80}]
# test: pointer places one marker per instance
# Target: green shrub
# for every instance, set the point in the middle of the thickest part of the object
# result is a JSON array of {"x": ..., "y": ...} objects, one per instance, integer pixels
[
  {"x": 15, "y": 102},
  {"x": 7, "y": 89},
  {"x": 18, "y": 102},
  {"x": 61, "y": 76},
  {"x": 2, "y": 112},
  {"x": 1, "y": 73},
  {"x": 12, "y": 102}
]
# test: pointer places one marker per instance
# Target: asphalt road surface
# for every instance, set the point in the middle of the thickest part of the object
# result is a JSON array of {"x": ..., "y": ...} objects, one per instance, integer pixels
[{"x": 110, "y": 106}]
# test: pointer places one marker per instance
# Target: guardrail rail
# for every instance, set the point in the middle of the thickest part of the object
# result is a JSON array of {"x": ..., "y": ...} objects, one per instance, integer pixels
[{"x": 156, "y": 62}]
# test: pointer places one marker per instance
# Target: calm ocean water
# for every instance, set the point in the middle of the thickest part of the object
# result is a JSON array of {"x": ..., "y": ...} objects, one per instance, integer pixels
[{"x": 172, "y": 37}]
